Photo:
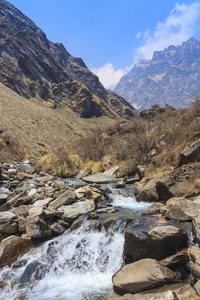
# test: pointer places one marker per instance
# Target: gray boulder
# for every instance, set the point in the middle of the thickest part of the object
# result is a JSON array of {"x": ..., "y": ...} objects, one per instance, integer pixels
[
  {"x": 72, "y": 212},
  {"x": 37, "y": 228},
  {"x": 63, "y": 199},
  {"x": 142, "y": 275},
  {"x": 8, "y": 222},
  {"x": 158, "y": 243},
  {"x": 99, "y": 178}
]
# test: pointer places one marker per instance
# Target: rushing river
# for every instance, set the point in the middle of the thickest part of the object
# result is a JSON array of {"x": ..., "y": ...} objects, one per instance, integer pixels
[{"x": 76, "y": 265}]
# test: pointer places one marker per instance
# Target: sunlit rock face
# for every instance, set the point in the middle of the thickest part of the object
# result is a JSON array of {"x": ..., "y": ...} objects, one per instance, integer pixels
[
  {"x": 36, "y": 68},
  {"x": 170, "y": 77}
]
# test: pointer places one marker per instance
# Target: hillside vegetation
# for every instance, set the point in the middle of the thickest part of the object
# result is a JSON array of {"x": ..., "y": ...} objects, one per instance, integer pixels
[
  {"x": 154, "y": 141},
  {"x": 31, "y": 129}
]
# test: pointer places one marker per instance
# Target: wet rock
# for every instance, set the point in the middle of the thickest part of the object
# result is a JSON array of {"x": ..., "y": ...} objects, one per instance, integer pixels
[
  {"x": 178, "y": 259},
  {"x": 20, "y": 263},
  {"x": 34, "y": 271},
  {"x": 67, "y": 197},
  {"x": 177, "y": 291},
  {"x": 13, "y": 247},
  {"x": 153, "y": 209},
  {"x": 72, "y": 212},
  {"x": 77, "y": 224},
  {"x": 57, "y": 228},
  {"x": 181, "y": 209},
  {"x": 140, "y": 276},
  {"x": 159, "y": 242},
  {"x": 8, "y": 222},
  {"x": 95, "y": 225},
  {"x": 37, "y": 228},
  {"x": 99, "y": 178}
]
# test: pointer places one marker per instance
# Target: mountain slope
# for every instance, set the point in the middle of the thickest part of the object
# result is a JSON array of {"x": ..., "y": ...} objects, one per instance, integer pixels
[
  {"x": 171, "y": 77},
  {"x": 30, "y": 128},
  {"x": 33, "y": 67}
]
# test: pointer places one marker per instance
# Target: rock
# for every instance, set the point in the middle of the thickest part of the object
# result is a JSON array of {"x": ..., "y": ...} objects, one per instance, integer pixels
[
  {"x": 21, "y": 221},
  {"x": 159, "y": 242},
  {"x": 99, "y": 178},
  {"x": 32, "y": 192},
  {"x": 65, "y": 198},
  {"x": 22, "y": 210},
  {"x": 34, "y": 271},
  {"x": 141, "y": 171},
  {"x": 37, "y": 228},
  {"x": 197, "y": 287},
  {"x": 142, "y": 275},
  {"x": 91, "y": 195},
  {"x": 177, "y": 291},
  {"x": 8, "y": 222},
  {"x": 195, "y": 257},
  {"x": 3, "y": 198},
  {"x": 36, "y": 211},
  {"x": 22, "y": 176},
  {"x": 178, "y": 259},
  {"x": 179, "y": 183},
  {"x": 181, "y": 209},
  {"x": 196, "y": 227},
  {"x": 12, "y": 171},
  {"x": 153, "y": 209},
  {"x": 13, "y": 247},
  {"x": 147, "y": 190},
  {"x": 190, "y": 154},
  {"x": 57, "y": 228},
  {"x": 111, "y": 172},
  {"x": 44, "y": 202},
  {"x": 132, "y": 180},
  {"x": 72, "y": 212},
  {"x": 80, "y": 193},
  {"x": 106, "y": 210}
]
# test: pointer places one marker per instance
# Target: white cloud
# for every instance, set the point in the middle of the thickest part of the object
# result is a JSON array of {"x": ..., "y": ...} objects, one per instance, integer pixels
[
  {"x": 138, "y": 35},
  {"x": 177, "y": 28},
  {"x": 108, "y": 75}
]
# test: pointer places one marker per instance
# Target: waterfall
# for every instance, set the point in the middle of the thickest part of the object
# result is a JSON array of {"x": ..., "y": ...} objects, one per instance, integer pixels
[{"x": 79, "y": 265}]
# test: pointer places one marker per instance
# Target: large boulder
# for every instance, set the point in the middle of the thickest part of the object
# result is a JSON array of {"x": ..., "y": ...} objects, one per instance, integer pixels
[
  {"x": 13, "y": 247},
  {"x": 142, "y": 275},
  {"x": 177, "y": 291},
  {"x": 65, "y": 198},
  {"x": 181, "y": 209},
  {"x": 71, "y": 212},
  {"x": 8, "y": 222},
  {"x": 190, "y": 154},
  {"x": 147, "y": 190},
  {"x": 179, "y": 183},
  {"x": 158, "y": 243},
  {"x": 37, "y": 228},
  {"x": 34, "y": 271},
  {"x": 153, "y": 209}
]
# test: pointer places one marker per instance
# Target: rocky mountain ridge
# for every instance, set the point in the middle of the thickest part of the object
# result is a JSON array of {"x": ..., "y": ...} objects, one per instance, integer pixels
[
  {"x": 170, "y": 77},
  {"x": 35, "y": 67}
]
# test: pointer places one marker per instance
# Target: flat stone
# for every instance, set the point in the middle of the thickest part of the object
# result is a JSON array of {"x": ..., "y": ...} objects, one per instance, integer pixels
[
  {"x": 36, "y": 211},
  {"x": 72, "y": 212},
  {"x": 99, "y": 178}
]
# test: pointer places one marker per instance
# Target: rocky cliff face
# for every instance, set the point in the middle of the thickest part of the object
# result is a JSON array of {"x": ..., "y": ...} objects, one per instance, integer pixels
[
  {"x": 34, "y": 67},
  {"x": 171, "y": 77}
]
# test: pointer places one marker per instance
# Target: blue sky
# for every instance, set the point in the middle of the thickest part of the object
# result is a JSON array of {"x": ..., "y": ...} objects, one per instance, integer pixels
[{"x": 111, "y": 35}]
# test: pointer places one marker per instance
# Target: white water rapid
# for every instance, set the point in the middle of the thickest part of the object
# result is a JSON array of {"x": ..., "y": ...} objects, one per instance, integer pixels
[{"x": 80, "y": 266}]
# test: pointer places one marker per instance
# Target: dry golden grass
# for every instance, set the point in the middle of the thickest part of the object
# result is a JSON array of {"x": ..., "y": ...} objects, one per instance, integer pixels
[{"x": 29, "y": 128}]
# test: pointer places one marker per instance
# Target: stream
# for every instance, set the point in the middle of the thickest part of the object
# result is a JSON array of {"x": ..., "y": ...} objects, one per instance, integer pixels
[{"x": 76, "y": 265}]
